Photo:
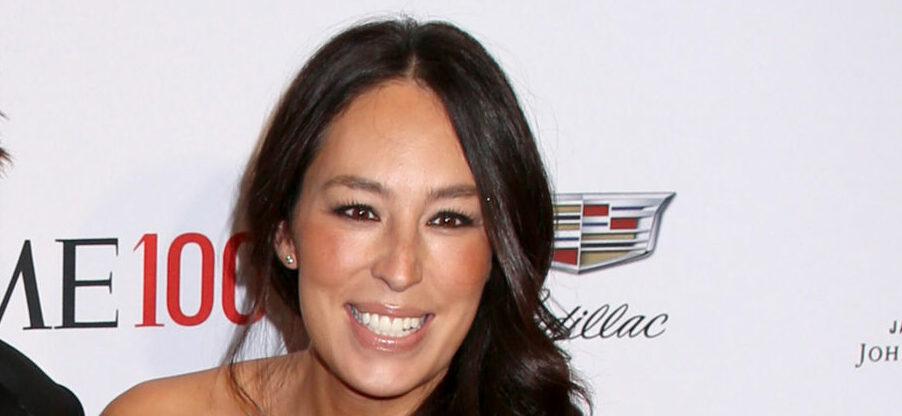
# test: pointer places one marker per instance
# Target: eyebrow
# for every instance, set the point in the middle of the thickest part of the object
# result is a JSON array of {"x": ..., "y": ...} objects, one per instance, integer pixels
[
  {"x": 356, "y": 182},
  {"x": 454, "y": 191},
  {"x": 367, "y": 185}
]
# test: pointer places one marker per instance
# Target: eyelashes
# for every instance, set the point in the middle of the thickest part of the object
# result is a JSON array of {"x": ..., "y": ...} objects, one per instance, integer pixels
[
  {"x": 358, "y": 212},
  {"x": 451, "y": 219}
]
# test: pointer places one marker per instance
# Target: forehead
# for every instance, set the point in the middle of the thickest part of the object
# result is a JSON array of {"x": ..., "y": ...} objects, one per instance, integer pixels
[{"x": 397, "y": 133}]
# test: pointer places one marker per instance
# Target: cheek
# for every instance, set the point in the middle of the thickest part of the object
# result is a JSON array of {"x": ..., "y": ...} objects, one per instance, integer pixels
[
  {"x": 326, "y": 254},
  {"x": 465, "y": 266},
  {"x": 328, "y": 259}
]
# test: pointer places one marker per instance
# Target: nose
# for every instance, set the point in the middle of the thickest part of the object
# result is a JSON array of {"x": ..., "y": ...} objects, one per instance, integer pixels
[{"x": 398, "y": 264}]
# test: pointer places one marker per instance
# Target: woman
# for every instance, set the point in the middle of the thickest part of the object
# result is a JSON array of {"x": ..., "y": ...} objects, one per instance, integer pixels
[
  {"x": 400, "y": 229},
  {"x": 24, "y": 388}
]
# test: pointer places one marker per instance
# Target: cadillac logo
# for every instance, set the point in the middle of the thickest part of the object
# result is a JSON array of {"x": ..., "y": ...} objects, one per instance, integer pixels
[{"x": 593, "y": 231}]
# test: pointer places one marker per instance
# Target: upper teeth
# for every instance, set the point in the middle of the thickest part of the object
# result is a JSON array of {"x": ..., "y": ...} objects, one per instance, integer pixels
[{"x": 386, "y": 325}]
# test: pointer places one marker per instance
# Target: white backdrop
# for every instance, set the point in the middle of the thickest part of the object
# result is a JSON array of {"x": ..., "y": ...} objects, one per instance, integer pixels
[{"x": 776, "y": 123}]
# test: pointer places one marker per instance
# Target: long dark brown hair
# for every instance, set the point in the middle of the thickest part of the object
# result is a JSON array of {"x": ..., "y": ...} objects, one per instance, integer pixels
[{"x": 508, "y": 363}]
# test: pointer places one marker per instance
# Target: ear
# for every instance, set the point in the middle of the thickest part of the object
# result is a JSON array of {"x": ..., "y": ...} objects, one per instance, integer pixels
[{"x": 285, "y": 247}]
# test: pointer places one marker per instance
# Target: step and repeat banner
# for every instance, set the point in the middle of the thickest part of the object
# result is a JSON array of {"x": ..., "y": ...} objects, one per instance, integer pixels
[{"x": 727, "y": 175}]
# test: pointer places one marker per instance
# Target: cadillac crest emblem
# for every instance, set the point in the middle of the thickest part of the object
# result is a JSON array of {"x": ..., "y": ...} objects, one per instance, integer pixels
[{"x": 593, "y": 231}]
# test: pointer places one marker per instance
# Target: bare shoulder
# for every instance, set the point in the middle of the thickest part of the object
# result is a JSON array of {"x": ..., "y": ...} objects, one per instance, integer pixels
[
  {"x": 201, "y": 393},
  {"x": 205, "y": 392}
]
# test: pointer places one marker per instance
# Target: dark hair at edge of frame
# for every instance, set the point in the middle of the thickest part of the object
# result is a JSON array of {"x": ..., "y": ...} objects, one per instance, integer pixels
[
  {"x": 4, "y": 159},
  {"x": 4, "y": 156},
  {"x": 508, "y": 363}
]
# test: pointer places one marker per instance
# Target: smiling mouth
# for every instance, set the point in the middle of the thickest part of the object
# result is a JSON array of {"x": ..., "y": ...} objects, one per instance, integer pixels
[{"x": 387, "y": 326}]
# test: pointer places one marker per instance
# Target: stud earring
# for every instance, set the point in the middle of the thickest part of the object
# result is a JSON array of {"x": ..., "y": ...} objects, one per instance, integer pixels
[{"x": 289, "y": 259}]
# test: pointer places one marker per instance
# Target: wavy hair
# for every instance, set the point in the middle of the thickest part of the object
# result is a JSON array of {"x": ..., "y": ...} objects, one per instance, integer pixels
[{"x": 508, "y": 364}]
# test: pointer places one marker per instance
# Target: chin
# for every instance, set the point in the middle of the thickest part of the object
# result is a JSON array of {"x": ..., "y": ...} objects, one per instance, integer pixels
[{"x": 390, "y": 381}]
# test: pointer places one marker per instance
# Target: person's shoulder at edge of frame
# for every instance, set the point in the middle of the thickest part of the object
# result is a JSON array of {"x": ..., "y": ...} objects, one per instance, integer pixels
[
  {"x": 176, "y": 395},
  {"x": 204, "y": 392}
]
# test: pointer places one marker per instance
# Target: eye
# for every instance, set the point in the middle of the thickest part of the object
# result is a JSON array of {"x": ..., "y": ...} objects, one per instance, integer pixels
[
  {"x": 450, "y": 219},
  {"x": 357, "y": 212}
]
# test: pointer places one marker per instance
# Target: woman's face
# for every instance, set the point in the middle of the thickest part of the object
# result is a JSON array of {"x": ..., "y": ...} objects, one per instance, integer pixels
[{"x": 390, "y": 244}]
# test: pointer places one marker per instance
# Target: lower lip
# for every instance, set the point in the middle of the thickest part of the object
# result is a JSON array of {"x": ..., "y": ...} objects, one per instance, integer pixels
[{"x": 377, "y": 342}]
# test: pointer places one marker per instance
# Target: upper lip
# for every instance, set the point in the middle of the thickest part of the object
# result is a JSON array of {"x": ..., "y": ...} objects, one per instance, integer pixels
[{"x": 388, "y": 310}]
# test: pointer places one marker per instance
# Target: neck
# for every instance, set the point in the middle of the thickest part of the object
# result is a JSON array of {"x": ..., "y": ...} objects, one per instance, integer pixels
[{"x": 320, "y": 392}]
